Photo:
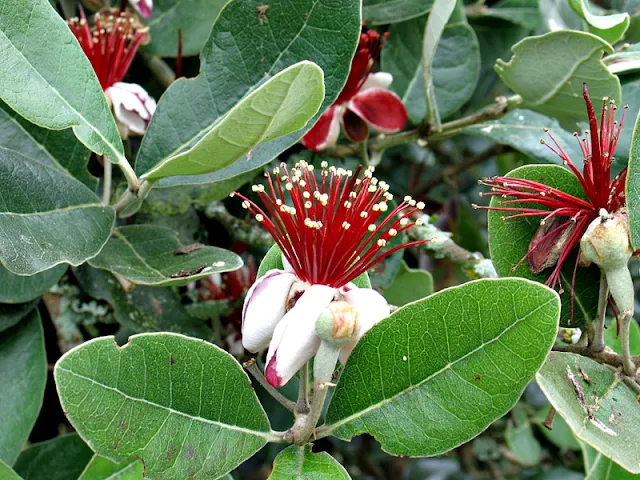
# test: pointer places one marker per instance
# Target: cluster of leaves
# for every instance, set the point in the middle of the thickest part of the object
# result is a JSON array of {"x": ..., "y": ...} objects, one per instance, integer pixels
[{"x": 130, "y": 286}]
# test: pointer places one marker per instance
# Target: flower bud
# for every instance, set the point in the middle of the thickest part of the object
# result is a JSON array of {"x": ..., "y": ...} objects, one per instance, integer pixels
[
  {"x": 338, "y": 323},
  {"x": 606, "y": 241}
]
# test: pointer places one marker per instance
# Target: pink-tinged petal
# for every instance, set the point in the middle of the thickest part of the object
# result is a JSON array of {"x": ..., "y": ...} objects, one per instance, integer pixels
[
  {"x": 143, "y": 7},
  {"x": 371, "y": 307},
  {"x": 264, "y": 306},
  {"x": 324, "y": 133},
  {"x": 295, "y": 340},
  {"x": 132, "y": 106},
  {"x": 377, "y": 80},
  {"x": 381, "y": 109},
  {"x": 355, "y": 128}
]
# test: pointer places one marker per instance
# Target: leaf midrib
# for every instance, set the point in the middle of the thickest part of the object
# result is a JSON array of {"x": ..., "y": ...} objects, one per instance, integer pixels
[
  {"x": 168, "y": 409},
  {"x": 410, "y": 388}
]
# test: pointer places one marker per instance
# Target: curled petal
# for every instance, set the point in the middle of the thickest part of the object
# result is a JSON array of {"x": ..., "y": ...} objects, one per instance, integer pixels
[
  {"x": 371, "y": 307},
  {"x": 355, "y": 128},
  {"x": 295, "y": 340},
  {"x": 143, "y": 7},
  {"x": 377, "y": 80},
  {"x": 132, "y": 107},
  {"x": 264, "y": 307},
  {"x": 381, "y": 109},
  {"x": 325, "y": 132}
]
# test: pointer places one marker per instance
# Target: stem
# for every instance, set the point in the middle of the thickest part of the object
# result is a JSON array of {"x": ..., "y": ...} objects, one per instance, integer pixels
[
  {"x": 597, "y": 345},
  {"x": 302, "y": 406},
  {"x": 106, "y": 187},
  {"x": 625, "y": 324},
  {"x": 603, "y": 357},
  {"x": 129, "y": 174},
  {"x": 548, "y": 421},
  {"x": 253, "y": 369},
  {"x": 160, "y": 70},
  {"x": 364, "y": 153},
  {"x": 129, "y": 199},
  {"x": 305, "y": 424}
]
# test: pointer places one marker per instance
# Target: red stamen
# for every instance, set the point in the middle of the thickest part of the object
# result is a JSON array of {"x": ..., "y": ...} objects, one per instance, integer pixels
[{"x": 334, "y": 228}]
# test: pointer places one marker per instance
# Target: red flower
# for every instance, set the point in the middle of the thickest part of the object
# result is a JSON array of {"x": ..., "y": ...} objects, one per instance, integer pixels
[
  {"x": 565, "y": 218},
  {"x": 364, "y": 101},
  {"x": 110, "y": 45}
]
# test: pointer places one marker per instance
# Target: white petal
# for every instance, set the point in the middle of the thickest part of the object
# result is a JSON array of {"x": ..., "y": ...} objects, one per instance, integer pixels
[
  {"x": 294, "y": 339},
  {"x": 377, "y": 80},
  {"x": 132, "y": 105},
  {"x": 264, "y": 306},
  {"x": 371, "y": 307},
  {"x": 286, "y": 264}
]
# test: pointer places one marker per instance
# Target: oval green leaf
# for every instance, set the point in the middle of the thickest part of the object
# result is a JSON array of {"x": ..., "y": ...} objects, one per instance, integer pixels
[
  {"x": 23, "y": 374},
  {"x": 151, "y": 255},
  {"x": 10, "y": 314},
  {"x": 192, "y": 17},
  {"x": 633, "y": 187},
  {"x": 283, "y": 104},
  {"x": 299, "y": 463},
  {"x": 382, "y": 12},
  {"x": 325, "y": 33},
  {"x": 552, "y": 84},
  {"x": 47, "y": 217},
  {"x": 610, "y": 28},
  {"x": 409, "y": 285},
  {"x": 602, "y": 412},
  {"x": 19, "y": 289},
  {"x": 509, "y": 242},
  {"x": 100, "y": 468},
  {"x": 164, "y": 398},
  {"x": 273, "y": 259},
  {"x": 58, "y": 148},
  {"x": 61, "y": 458},
  {"x": 439, "y": 371},
  {"x": 61, "y": 78},
  {"x": 7, "y": 473},
  {"x": 599, "y": 467}
]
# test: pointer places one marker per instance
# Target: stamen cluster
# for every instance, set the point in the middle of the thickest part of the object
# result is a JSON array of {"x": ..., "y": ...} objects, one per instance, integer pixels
[
  {"x": 334, "y": 227},
  {"x": 112, "y": 42},
  {"x": 568, "y": 215}
]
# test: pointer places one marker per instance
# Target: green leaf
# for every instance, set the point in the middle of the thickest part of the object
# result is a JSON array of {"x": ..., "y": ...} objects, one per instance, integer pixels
[
  {"x": 282, "y": 105},
  {"x": 439, "y": 371},
  {"x": 633, "y": 187},
  {"x": 602, "y": 413},
  {"x": 10, "y": 314},
  {"x": 552, "y": 84},
  {"x": 523, "y": 444},
  {"x": 60, "y": 77},
  {"x": 599, "y": 467},
  {"x": 273, "y": 259},
  {"x": 100, "y": 468},
  {"x": 560, "y": 435},
  {"x": 519, "y": 12},
  {"x": 62, "y": 458},
  {"x": 612, "y": 342},
  {"x": 610, "y": 28},
  {"x": 456, "y": 66},
  {"x": 439, "y": 16},
  {"x": 150, "y": 255},
  {"x": 164, "y": 398},
  {"x": 23, "y": 374},
  {"x": 7, "y": 473},
  {"x": 509, "y": 242},
  {"x": 47, "y": 217},
  {"x": 523, "y": 129},
  {"x": 409, "y": 285},
  {"x": 18, "y": 289},
  {"x": 193, "y": 17},
  {"x": 299, "y": 463},
  {"x": 394, "y": 11},
  {"x": 558, "y": 15},
  {"x": 143, "y": 309},
  {"x": 57, "y": 148},
  {"x": 239, "y": 55}
]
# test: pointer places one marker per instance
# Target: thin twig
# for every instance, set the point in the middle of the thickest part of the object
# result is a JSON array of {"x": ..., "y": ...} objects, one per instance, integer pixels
[
  {"x": 106, "y": 179},
  {"x": 602, "y": 357},
  {"x": 597, "y": 345},
  {"x": 364, "y": 153},
  {"x": 160, "y": 70},
  {"x": 548, "y": 421},
  {"x": 253, "y": 369},
  {"x": 302, "y": 406}
]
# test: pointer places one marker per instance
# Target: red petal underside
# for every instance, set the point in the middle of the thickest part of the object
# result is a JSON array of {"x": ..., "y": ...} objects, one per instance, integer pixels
[
  {"x": 270, "y": 373},
  {"x": 354, "y": 127},
  {"x": 319, "y": 136},
  {"x": 381, "y": 109}
]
